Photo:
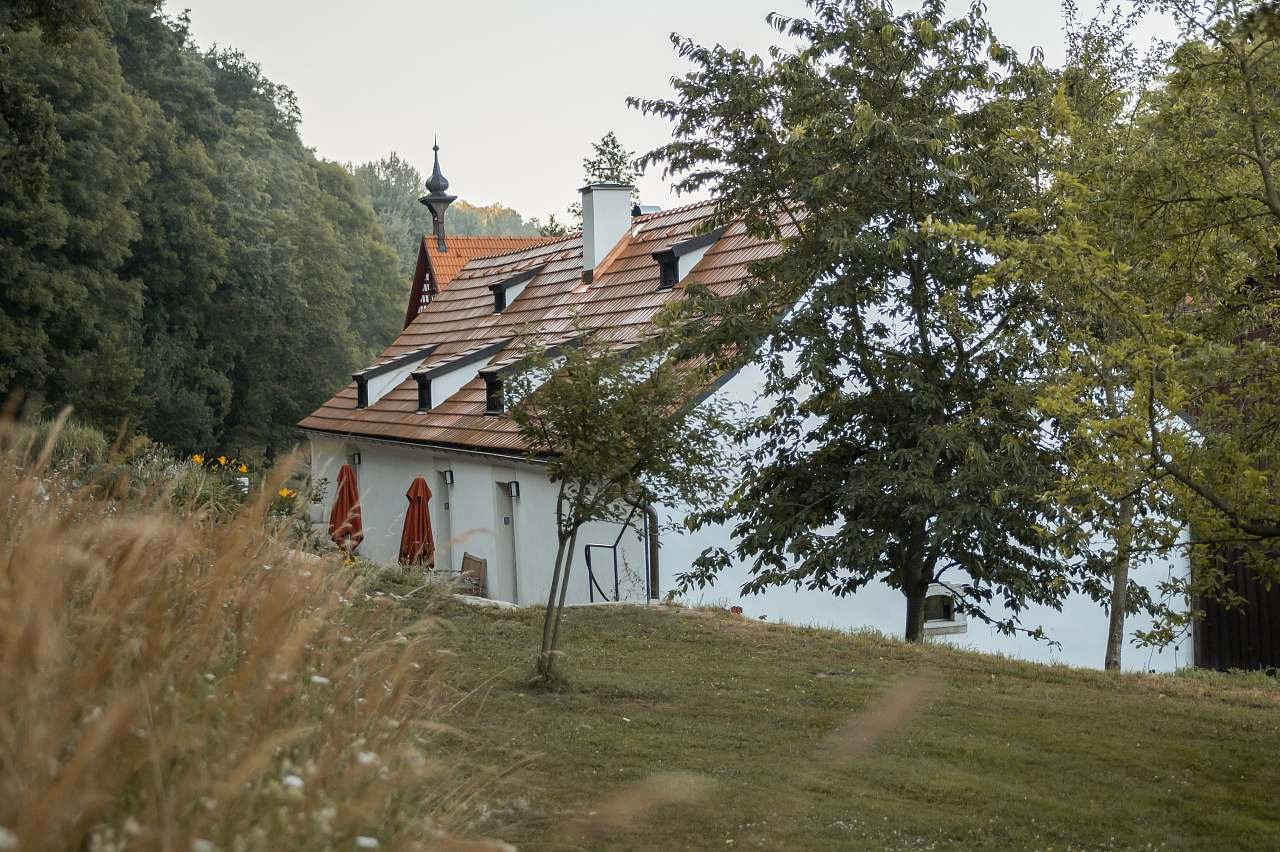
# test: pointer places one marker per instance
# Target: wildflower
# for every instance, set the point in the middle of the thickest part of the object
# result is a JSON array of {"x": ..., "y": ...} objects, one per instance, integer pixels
[
  {"x": 287, "y": 493},
  {"x": 197, "y": 459},
  {"x": 366, "y": 758},
  {"x": 293, "y": 781},
  {"x": 364, "y": 842},
  {"x": 222, "y": 460},
  {"x": 320, "y": 679},
  {"x": 243, "y": 468}
]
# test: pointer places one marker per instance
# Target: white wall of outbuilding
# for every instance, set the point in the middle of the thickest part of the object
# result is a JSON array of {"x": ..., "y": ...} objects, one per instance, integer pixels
[
  {"x": 472, "y": 516},
  {"x": 1079, "y": 628}
]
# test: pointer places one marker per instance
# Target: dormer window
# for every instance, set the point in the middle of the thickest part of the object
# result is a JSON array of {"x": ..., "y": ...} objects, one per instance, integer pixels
[
  {"x": 438, "y": 383},
  {"x": 679, "y": 260},
  {"x": 424, "y": 391},
  {"x": 508, "y": 290},
  {"x": 375, "y": 382},
  {"x": 495, "y": 401},
  {"x": 668, "y": 270}
]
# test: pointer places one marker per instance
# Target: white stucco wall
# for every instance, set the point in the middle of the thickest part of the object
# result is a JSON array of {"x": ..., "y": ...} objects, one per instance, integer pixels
[
  {"x": 472, "y": 516},
  {"x": 475, "y": 521},
  {"x": 1080, "y": 627}
]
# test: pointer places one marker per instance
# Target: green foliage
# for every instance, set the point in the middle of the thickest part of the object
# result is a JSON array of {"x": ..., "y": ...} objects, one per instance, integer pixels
[
  {"x": 68, "y": 316},
  {"x": 1158, "y": 225},
  {"x": 619, "y": 430},
  {"x": 553, "y": 227},
  {"x": 617, "y": 425},
  {"x": 172, "y": 255},
  {"x": 902, "y": 441},
  {"x": 76, "y": 447},
  {"x": 610, "y": 162},
  {"x": 393, "y": 187}
]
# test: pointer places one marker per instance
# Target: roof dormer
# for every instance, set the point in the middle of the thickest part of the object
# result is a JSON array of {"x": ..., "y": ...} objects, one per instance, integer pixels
[
  {"x": 678, "y": 260},
  {"x": 374, "y": 382},
  {"x": 508, "y": 290},
  {"x": 438, "y": 383}
]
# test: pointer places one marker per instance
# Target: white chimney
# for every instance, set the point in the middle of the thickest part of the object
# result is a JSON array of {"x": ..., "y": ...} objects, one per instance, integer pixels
[{"x": 606, "y": 216}]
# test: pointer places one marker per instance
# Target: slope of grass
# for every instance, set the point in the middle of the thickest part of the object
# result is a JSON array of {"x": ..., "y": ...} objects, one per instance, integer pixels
[{"x": 692, "y": 729}]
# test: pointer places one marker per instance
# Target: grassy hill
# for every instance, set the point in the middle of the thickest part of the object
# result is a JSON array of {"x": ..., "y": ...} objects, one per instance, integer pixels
[
  {"x": 696, "y": 729},
  {"x": 178, "y": 675}
]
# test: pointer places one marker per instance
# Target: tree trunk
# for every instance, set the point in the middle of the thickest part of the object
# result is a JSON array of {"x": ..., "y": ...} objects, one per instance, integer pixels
[
  {"x": 916, "y": 593},
  {"x": 564, "y": 588},
  {"x": 1119, "y": 587},
  {"x": 544, "y": 667},
  {"x": 555, "y": 608}
]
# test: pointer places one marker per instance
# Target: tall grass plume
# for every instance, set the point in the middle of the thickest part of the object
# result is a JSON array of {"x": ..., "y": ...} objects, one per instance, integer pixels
[{"x": 185, "y": 681}]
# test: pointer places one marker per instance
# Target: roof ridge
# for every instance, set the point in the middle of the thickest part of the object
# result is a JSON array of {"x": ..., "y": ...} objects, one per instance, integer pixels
[
  {"x": 463, "y": 239},
  {"x": 682, "y": 208},
  {"x": 547, "y": 243}
]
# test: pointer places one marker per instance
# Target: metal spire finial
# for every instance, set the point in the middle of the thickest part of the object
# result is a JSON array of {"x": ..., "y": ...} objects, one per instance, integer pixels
[
  {"x": 437, "y": 200},
  {"x": 437, "y": 183}
]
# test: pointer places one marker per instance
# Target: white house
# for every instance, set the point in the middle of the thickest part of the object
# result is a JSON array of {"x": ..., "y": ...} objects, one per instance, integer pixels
[{"x": 432, "y": 406}]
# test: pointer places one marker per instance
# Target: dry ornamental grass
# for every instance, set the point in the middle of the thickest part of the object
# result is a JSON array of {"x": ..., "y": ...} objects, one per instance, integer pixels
[{"x": 181, "y": 683}]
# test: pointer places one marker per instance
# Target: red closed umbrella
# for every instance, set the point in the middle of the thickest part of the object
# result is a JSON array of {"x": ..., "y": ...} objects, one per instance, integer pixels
[
  {"x": 345, "y": 527},
  {"x": 417, "y": 545}
]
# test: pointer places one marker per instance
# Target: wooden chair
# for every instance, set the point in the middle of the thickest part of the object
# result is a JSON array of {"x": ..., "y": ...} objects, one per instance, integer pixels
[{"x": 472, "y": 577}]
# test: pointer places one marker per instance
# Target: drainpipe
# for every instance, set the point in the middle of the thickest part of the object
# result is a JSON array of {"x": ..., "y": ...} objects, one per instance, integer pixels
[{"x": 651, "y": 520}]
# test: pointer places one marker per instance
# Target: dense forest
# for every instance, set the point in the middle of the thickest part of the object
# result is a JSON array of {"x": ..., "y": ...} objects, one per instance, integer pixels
[{"x": 171, "y": 255}]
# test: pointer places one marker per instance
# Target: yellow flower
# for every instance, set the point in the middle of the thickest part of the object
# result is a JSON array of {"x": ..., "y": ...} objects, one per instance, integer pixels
[
  {"x": 198, "y": 459},
  {"x": 244, "y": 468},
  {"x": 222, "y": 460},
  {"x": 287, "y": 493}
]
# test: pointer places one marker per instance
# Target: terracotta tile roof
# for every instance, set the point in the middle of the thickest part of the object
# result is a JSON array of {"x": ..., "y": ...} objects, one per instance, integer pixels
[
  {"x": 438, "y": 268},
  {"x": 619, "y": 303}
]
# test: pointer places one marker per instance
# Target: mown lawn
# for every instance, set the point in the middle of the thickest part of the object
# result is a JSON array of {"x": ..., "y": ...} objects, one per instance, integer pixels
[{"x": 996, "y": 754}]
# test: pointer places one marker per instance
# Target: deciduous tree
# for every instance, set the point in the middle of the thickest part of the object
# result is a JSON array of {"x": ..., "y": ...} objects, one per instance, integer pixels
[
  {"x": 1159, "y": 230},
  {"x": 902, "y": 442},
  {"x": 618, "y": 429}
]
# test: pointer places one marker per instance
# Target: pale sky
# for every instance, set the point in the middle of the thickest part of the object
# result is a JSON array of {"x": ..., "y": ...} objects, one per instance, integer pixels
[{"x": 517, "y": 90}]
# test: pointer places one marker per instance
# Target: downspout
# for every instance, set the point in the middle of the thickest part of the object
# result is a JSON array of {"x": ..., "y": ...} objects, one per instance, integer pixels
[{"x": 651, "y": 521}]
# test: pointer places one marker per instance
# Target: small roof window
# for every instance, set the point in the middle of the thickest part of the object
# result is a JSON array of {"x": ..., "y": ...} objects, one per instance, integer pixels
[
  {"x": 678, "y": 260},
  {"x": 508, "y": 290}
]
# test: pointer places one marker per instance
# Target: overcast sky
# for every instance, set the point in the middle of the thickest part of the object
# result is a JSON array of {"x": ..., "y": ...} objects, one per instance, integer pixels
[{"x": 517, "y": 90}]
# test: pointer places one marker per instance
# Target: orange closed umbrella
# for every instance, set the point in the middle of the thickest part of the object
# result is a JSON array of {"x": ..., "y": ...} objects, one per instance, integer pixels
[
  {"x": 417, "y": 545},
  {"x": 345, "y": 527}
]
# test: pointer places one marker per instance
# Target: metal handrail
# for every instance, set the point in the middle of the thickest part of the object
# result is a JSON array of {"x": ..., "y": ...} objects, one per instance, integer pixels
[
  {"x": 594, "y": 586},
  {"x": 591, "y": 574}
]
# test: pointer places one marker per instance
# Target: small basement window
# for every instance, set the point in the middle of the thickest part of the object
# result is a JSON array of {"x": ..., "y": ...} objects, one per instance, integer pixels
[{"x": 941, "y": 615}]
